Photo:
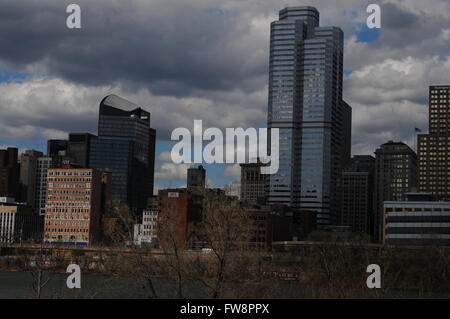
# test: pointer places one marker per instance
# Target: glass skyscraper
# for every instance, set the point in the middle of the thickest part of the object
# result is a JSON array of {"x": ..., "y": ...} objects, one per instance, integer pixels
[
  {"x": 125, "y": 146},
  {"x": 305, "y": 104}
]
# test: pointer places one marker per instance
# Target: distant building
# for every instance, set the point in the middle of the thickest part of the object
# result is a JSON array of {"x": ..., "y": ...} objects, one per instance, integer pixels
[
  {"x": 433, "y": 148},
  {"x": 181, "y": 210},
  {"x": 233, "y": 189},
  {"x": 9, "y": 173},
  {"x": 253, "y": 183},
  {"x": 357, "y": 194},
  {"x": 395, "y": 175},
  {"x": 28, "y": 171},
  {"x": 173, "y": 218},
  {"x": 78, "y": 148},
  {"x": 73, "y": 206},
  {"x": 125, "y": 146},
  {"x": 57, "y": 147},
  {"x": 420, "y": 221},
  {"x": 196, "y": 178},
  {"x": 261, "y": 232},
  {"x": 18, "y": 223},
  {"x": 147, "y": 232},
  {"x": 43, "y": 165}
]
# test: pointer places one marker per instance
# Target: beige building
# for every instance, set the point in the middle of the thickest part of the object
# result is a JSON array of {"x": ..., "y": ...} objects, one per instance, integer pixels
[{"x": 73, "y": 206}]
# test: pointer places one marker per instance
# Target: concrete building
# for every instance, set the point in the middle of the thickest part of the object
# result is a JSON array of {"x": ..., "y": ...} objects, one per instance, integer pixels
[
  {"x": 73, "y": 206},
  {"x": 357, "y": 194},
  {"x": 395, "y": 175},
  {"x": 18, "y": 223},
  {"x": 434, "y": 148},
  {"x": 28, "y": 171},
  {"x": 306, "y": 105},
  {"x": 420, "y": 221},
  {"x": 9, "y": 173},
  {"x": 253, "y": 183}
]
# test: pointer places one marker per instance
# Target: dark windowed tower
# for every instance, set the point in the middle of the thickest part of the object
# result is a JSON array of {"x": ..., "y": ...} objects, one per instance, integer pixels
[
  {"x": 125, "y": 146},
  {"x": 253, "y": 183},
  {"x": 78, "y": 148},
  {"x": 395, "y": 175},
  {"x": 9, "y": 173},
  {"x": 357, "y": 194},
  {"x": 434, "y": 148},
  {"x": 305, "y": 104},
  {"x": 196, "y": 178},
  {"x": 56, "y": 147}
]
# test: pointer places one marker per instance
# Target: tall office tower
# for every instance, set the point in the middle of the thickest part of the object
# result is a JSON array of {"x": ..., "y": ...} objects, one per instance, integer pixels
[
  {"x": 78, "y": 148},
  {"x": 125, "y": 146},
  {"x": 43, "y": 165},
  {"x": 253, "y": 183},
  {"x": 9, "y": 173},
  {"x": 28, "y": 170},
  {"x": 434, "y": 148},
  {"x": 395, "y": 175},
  {"x": 305, "y": 104},
  {"x": 357, "y": 194},
  {"x": 56, "y": 147},
  {"x": 73, "y": 206},
  {"x": 196, "y": 178}
]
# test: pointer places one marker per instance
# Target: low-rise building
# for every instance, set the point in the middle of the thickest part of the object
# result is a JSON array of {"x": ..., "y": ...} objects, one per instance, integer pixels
[
  {"x": 147, "y": 232},
  {"x": 416, "y": 222},
  {"x": 18, "y": 223}
]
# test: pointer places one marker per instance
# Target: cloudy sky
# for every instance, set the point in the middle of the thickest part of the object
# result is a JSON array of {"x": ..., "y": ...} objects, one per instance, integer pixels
[{"x": 206, "y": 59}]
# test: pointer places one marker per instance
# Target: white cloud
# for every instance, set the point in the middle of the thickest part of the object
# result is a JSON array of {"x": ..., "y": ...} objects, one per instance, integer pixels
[
  {"x": 232, "y": 171},
  {"x": 171, "y": 172}
]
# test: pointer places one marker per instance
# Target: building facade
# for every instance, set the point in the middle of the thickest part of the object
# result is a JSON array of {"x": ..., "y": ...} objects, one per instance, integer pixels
[
  {"x": 9, "y": 173},
  {"x": 73, "y": 206},
  {"x": 18, "y": 224},
  {"x": 125, "y": 146},
  {"x": 196, "y": 178},
  {"x": 357, "y": 194},
  {"x": 305, "y": 104},
  {"x": 43, "y": 165},
  {"x": 253, "y": 183},
  {"x": 28, "y": 171},
  {"x": 78, "y": 148},
  {"x": 416, "y": 223},
  {"x": 395, "y": 175},
  {"x": 147, "y": 232},
  {"x": 434, "y": 148}
]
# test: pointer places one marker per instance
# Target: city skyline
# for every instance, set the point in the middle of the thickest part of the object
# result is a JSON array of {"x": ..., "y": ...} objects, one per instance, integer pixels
[{"x": 386, "y": 87}]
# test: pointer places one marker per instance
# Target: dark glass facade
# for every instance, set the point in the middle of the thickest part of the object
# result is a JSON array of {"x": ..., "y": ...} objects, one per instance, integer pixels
[
  {"x": 305, "y": 104},
  {"x": 125, "y": 146}
]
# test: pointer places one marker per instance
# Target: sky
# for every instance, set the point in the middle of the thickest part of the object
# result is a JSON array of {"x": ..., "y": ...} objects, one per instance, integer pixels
[{"x": 206, "y": 59}]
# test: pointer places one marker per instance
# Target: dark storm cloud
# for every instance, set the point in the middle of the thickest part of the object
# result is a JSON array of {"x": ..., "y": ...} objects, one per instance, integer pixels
[
  {"x": 411, "y": 29},
  {"x": 396, "y": 18},
  {"x": 142, "y": 43}
]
